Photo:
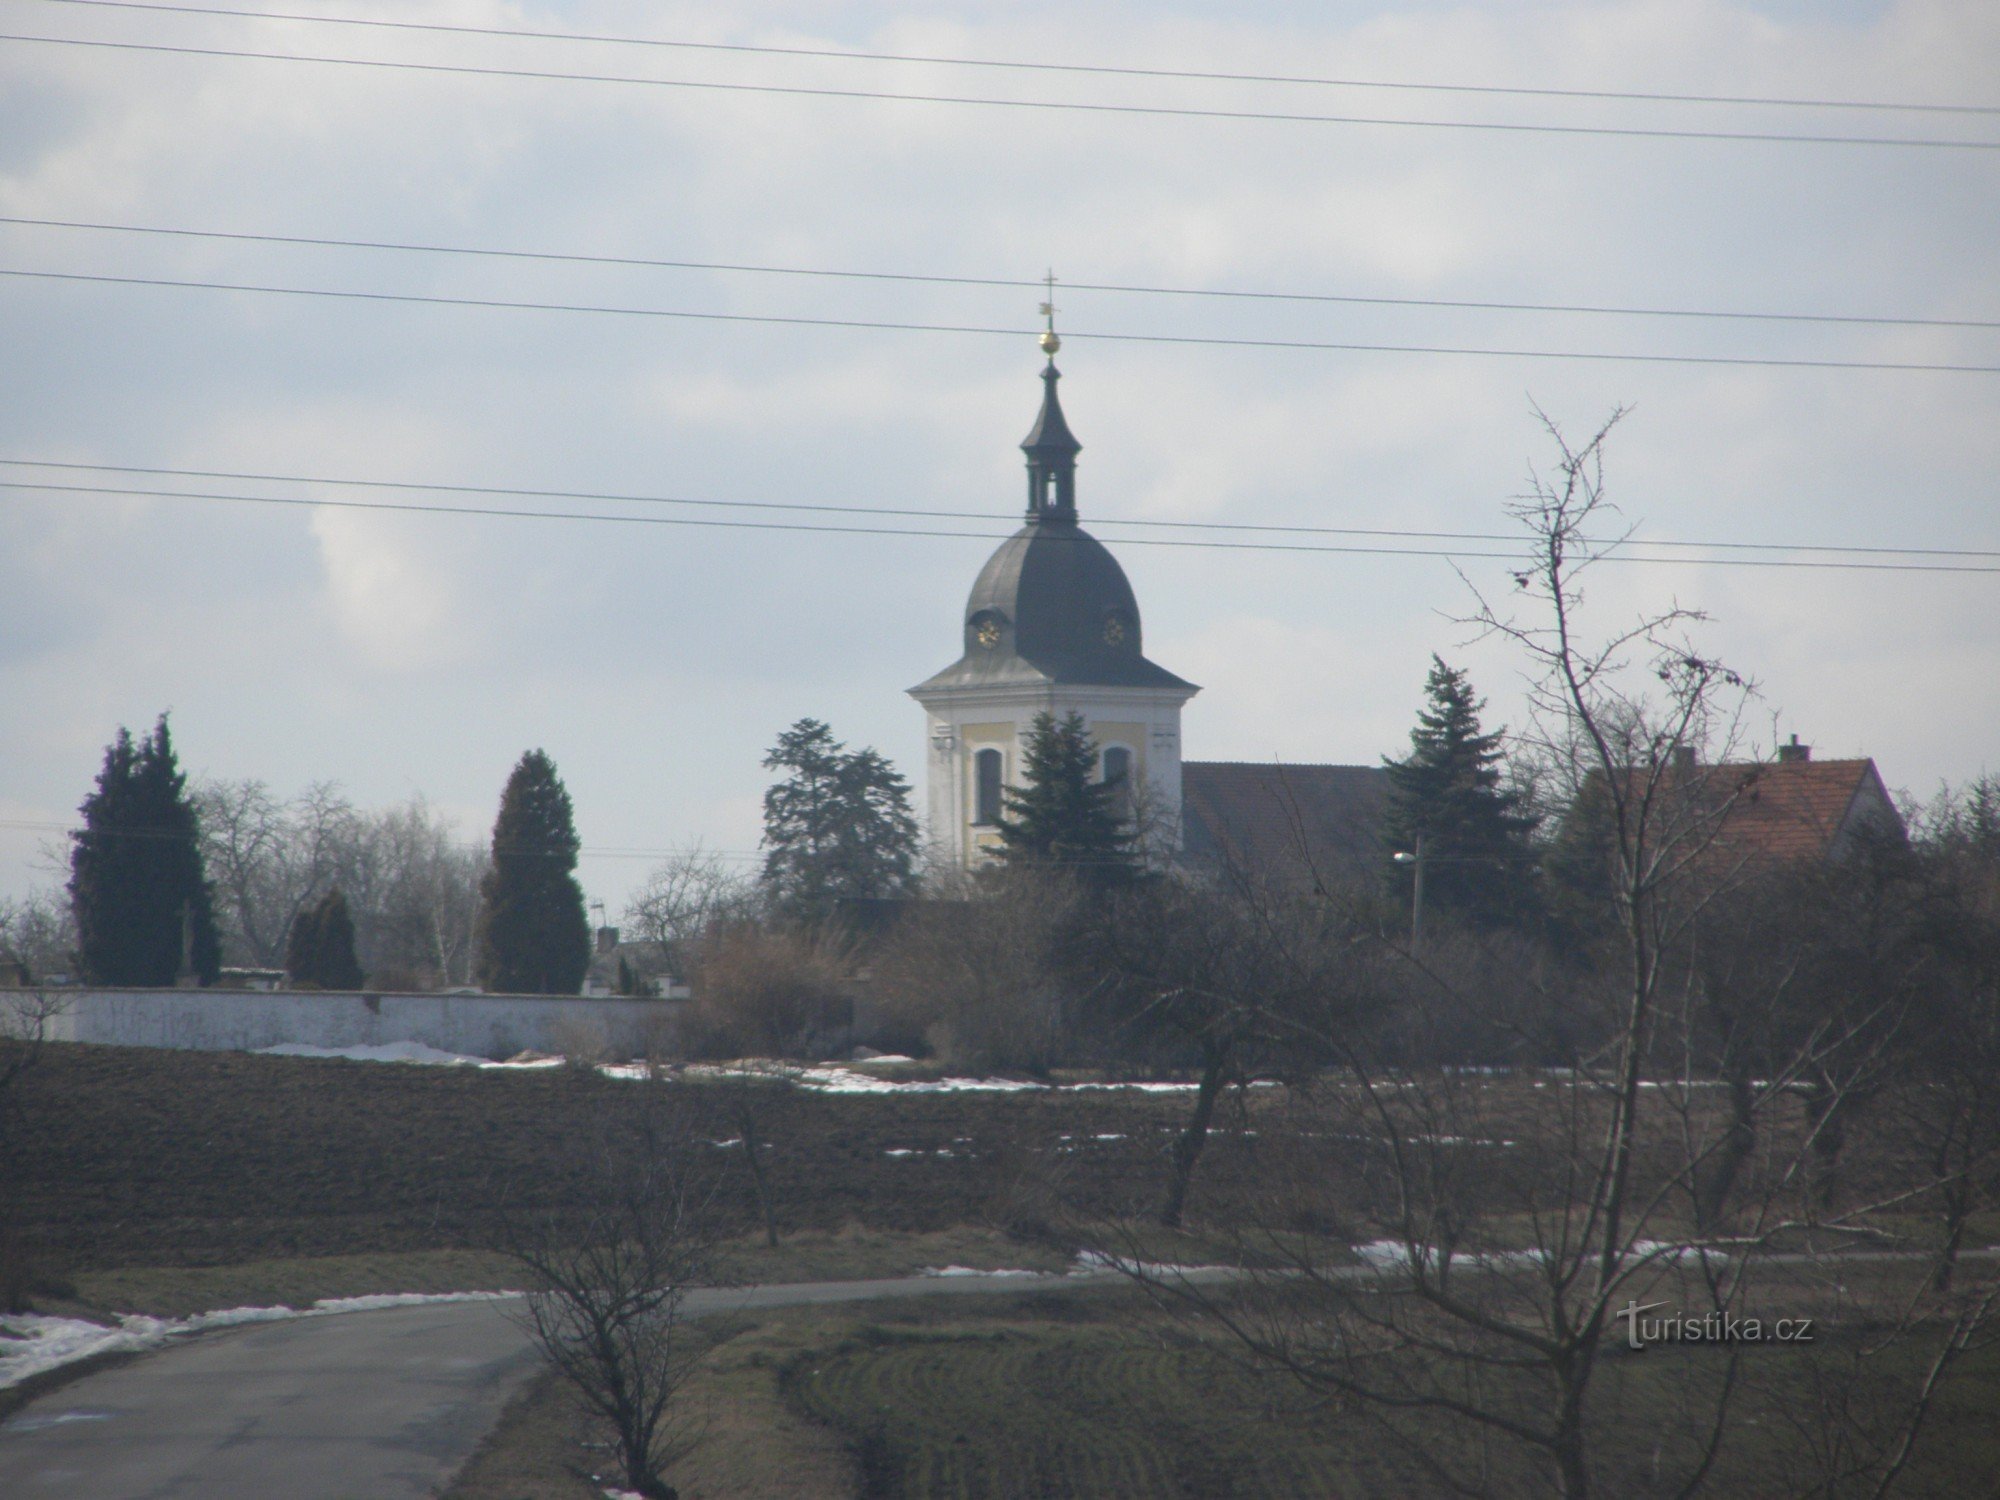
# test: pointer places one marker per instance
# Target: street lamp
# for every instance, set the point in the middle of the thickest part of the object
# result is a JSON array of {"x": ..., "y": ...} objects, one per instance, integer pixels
[{"x": 1415, "y": 857}]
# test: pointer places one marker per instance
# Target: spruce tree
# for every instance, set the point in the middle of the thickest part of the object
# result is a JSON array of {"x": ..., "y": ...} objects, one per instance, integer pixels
[
  {"x": 1477, "y": 856},
  {"x": 320, "y": 954},
  {"x": 534, "y": 936},
  {"x": 142, "y": 903},
  {"x": 837, "y": 826},
  {"x": 1062, "y": 816}
]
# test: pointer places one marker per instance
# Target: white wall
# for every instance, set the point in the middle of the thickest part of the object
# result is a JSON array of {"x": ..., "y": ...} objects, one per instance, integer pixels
[{"x": 491, "y": 1026}]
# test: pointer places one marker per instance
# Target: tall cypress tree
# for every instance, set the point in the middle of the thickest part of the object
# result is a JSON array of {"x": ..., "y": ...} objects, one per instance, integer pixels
[
  {"x": 1477, "y": 857},
  {"x": 1062, "y": 815},
  {"x": 534, "y": 937},
  {"x": 320, "y": 954},
  {"x": 142, "y": 904}
]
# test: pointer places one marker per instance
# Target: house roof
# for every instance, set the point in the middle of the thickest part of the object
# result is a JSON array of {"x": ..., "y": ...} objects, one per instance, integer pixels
[
  {"x": 1292, "y": 820},
  {"x": 1744, "y": 813},
  {"x": 1800, "y": 809}
]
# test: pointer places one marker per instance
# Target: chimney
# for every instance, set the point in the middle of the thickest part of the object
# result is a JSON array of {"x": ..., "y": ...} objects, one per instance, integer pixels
[
  {"x": 607, "y": 939},
  {"x": 1794, "y": 753}
]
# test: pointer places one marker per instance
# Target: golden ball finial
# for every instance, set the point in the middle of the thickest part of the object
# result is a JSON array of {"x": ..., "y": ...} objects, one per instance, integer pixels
[{"x": 1050, "y": 343}]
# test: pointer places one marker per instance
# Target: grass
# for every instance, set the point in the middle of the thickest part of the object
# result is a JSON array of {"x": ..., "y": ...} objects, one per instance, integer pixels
[{"x": 851, "y": 1253}]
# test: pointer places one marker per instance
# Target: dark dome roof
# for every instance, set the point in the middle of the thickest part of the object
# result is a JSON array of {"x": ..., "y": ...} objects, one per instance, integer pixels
[{"x": 1052, "y": 605}]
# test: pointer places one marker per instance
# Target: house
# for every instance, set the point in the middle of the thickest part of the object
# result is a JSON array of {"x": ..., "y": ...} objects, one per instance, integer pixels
[
  {"x": 643, "y": 970},
  {"x": 1798, "y": 808}
]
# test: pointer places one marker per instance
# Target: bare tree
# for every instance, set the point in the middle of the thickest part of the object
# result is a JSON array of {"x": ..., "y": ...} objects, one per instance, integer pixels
[
  {"x": 38, "y": 935},
  {"x": 769, "y": 990},
  {"x": 270, "y": 858},
  {"x": 1236, "y": 980},
  {"x": 414, "y": 889},
  {"x": 977, "y": 975},
  {"x": 749, "y": 1097},
  {"x": 1460, "y": 1254},
  {"x": 683, "y": 897},
  {"x": 610, "y": 1270}
]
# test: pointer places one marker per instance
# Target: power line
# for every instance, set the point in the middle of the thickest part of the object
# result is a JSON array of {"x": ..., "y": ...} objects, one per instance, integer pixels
[
  {"x": 909, "y": 277},
  {"x": 1200, "y": 544},
  {"x": 1018, "y": 65},
  {"x": 794, "y": 321},
  {"x": 1153, "y": 111},
  {"x": 818, "y": 507}
]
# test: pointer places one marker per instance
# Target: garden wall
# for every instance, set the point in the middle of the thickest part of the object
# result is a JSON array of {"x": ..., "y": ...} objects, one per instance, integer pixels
[{"x": 490, "y": 1026}]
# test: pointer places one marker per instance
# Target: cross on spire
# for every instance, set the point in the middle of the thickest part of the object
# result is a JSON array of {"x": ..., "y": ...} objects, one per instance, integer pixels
[{"x": 1049, "y": 340}]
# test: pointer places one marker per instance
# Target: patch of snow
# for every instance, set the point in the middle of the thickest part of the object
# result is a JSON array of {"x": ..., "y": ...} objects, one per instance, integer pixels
[
  {"x": 1394, "y": 1255},
  {"x": 971, "y": 1271},
  {"x": 1157, "y": 1088},
  {"x": 1096, "y": 1262},
  {"x": 637, "y": 1072},
  {"x": 402, "y": 1052},
  {"x": 406, "y": 1052},
  {"x": 845, "y": 1081},
  {"x": 1666, "y": 1252},
  {"x": 31, "y": 1343}
]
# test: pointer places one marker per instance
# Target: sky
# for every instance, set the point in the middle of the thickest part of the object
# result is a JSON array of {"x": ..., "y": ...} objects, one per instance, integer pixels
[{"x": 656, "y": 661}]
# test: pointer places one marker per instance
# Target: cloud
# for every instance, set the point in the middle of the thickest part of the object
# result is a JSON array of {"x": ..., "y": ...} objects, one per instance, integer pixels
[{"x": 399, "y": 653}]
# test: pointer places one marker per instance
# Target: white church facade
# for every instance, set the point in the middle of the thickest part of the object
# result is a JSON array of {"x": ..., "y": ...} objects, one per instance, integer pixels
[{"x": 1051, "y": 626}]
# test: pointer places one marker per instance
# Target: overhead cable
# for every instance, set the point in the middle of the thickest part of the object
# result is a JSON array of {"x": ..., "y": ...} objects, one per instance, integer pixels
[
  {"x": 820, "y": 507},
  {"x": 795, "y": 321},
  {"x": 1191, "y": 543},
  {"x": 1091, "y": 107},
  {"x": 1110, "y": 70},
  {"x": 919, "y": 278}
]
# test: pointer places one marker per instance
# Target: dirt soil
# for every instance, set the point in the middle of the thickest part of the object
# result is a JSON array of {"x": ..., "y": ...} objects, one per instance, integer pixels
[{"x": 131, "y": 1156}]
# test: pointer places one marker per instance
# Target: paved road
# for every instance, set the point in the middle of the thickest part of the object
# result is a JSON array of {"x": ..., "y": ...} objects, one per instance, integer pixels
[{"x": 355, "y": 1406}]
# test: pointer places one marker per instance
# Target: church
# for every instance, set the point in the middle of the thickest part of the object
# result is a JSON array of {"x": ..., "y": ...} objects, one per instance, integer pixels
[{"x": 1052, "y": 625}]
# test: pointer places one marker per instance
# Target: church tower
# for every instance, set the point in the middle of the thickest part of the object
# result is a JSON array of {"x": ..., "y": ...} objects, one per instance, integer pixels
[{"x": 1051, "y": 626}]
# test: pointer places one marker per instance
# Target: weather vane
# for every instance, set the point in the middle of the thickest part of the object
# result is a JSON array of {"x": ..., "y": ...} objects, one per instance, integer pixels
[{"x": 1050, "y": 343}]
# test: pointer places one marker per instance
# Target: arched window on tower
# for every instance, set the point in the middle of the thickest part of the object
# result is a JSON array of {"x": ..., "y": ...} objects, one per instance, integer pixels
[
  {"x": 1118, "y": 773},
  {"x": 986, "y": 767}
]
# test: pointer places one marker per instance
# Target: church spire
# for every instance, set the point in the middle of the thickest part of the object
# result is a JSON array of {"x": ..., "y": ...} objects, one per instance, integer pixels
[{"x": 1050, "y": 446}]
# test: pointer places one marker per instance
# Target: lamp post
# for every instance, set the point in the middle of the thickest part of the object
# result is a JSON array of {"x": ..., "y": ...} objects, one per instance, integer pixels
[{"x": 1415, "y": 857}]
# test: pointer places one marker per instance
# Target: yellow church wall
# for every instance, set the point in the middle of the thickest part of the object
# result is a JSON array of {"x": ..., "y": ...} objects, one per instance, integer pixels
[{"x": 1131, "y": 736}]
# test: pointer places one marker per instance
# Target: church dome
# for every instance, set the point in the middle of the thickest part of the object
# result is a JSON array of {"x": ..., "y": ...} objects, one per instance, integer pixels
[{"x": 1052, "y": 605}]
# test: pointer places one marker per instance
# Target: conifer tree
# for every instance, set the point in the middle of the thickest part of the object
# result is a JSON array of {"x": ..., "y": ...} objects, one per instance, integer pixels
[
  {"x": 837, "y": 826},
  {"x": 142, "y": 904},
  {"x": 534, "y": 936},
  {"x": 320, "y": 954},
  {"x": 1477, "y": 857},
  {"x": 1062, "y": 815}
]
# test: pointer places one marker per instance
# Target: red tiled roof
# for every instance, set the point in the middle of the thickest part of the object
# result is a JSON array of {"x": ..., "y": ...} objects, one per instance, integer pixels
[
  {"x": 1283, "y": 819},
  {"x": 1799, "y": 809},
  {"x": 1762, "y": 811}
]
